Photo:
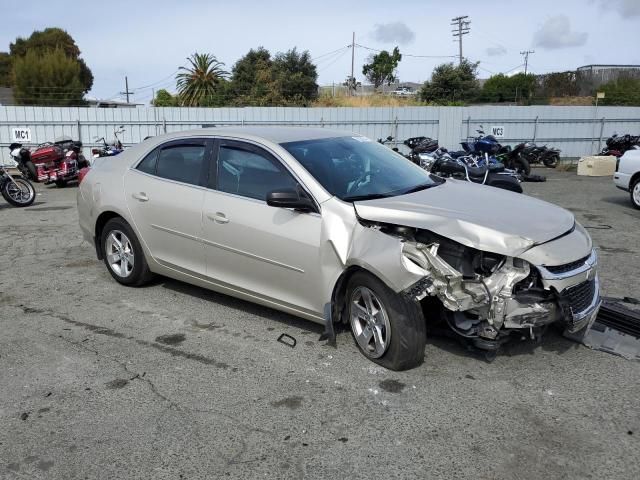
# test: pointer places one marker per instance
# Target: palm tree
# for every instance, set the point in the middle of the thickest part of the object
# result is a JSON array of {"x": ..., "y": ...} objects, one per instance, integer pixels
[{"x": 198, "y": 82}]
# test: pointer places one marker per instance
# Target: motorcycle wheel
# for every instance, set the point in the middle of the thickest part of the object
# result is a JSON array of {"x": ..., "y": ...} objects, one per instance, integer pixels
[
  {"x": 552, "y": 161},
  {"x": 522, "y": 166},
  {"x": 30, "y": 170},
  {"x": 19, "y": 192},
  {"x": 61, "y": 183}
]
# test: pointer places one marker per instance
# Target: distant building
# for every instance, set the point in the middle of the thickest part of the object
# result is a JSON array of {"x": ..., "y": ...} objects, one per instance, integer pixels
[
  {"x": 98, "y": 103},
  {"x": 590, "y": 77}
]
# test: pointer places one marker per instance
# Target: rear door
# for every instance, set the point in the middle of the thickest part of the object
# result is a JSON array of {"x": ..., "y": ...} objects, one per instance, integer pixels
[{"x": 164, "y": 193}]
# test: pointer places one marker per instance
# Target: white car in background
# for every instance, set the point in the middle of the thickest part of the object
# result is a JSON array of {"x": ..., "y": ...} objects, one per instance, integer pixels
[{"x": 627, "y": 176}]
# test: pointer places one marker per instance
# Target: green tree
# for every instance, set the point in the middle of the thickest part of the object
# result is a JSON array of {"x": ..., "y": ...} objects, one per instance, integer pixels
[
  {"x": 252, "y": 81},
  {"x": 451, "y": 83},
  {"x": 623, "y": 91},
  {"x": 295, "y": 76},
  {"x": 381, "y": 67},
  {"x": 47, "y": 40},
  {"x": 47, "y": 78},
  {"x": 6, "y": 70},
  {"x": 164, "y": 99},
  {"x": 560, "y": 84},
  {"x": 199, "y": 83},
  {"x": 502, "y": 88}
]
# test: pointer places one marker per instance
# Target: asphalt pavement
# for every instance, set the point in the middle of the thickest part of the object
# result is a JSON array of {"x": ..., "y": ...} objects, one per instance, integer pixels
[{"x": 171, "y": 381}]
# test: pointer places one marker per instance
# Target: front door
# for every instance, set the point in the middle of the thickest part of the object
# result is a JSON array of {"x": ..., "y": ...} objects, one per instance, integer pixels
[{"x": 269, "y": 251}]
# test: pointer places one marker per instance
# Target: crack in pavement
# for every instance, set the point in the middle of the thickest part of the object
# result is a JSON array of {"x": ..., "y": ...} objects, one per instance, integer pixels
[{"x": 174, "y": 352}]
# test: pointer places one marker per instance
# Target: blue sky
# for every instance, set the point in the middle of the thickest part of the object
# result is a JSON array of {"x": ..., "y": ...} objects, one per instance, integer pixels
[{"x": 149, "y": 40}]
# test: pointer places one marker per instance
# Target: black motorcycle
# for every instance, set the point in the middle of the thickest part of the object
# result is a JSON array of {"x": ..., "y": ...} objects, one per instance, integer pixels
[
  {"x": 492, "y": 174},
  {"x": 617, "y": 145},
  {"x": 17, "y": 191},
  {"x": 533, "y": 153}
]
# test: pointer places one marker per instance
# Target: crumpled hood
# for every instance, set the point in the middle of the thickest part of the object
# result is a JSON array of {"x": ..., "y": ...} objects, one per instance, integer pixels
[{"x": 478, "y": 216}]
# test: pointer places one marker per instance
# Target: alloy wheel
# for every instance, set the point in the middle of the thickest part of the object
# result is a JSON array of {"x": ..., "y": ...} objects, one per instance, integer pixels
[
  {"x": 369, "y": 322},
  {"x": 119, "y": 252},
  {"x": 636, "y": 194}
]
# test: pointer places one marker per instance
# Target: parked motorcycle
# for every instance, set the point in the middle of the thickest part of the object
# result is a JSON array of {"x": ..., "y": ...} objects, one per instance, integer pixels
[
  {"x": 17, "y": 191},
  {"x": 109, "y": 149},
  {"x": 617, "y": 145},
  {"x": 486, "y": 171},
  {"x": 533, "y": 153}
]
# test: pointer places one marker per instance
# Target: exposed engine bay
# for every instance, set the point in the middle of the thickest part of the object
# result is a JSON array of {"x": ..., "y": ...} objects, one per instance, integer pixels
[{"x": 488, "y": 297}]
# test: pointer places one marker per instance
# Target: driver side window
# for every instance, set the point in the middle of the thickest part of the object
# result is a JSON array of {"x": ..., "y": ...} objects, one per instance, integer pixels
[{"x": 250, "y": 172}]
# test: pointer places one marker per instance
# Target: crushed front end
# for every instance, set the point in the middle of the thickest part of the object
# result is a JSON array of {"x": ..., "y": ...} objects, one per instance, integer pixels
[{"x": 487, "y": 297}]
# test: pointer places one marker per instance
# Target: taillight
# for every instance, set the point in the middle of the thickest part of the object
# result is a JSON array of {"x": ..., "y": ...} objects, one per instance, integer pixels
[{"x": 82, "y": 173}]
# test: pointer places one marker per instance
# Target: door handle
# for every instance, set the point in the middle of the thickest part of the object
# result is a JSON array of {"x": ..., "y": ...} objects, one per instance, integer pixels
[
  {"x": 218, "y": 217},
  {"x": 141, "y": 196}
]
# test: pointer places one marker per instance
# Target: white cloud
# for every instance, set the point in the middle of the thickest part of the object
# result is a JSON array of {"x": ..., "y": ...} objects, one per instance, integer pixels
[
  {"x": 496, "y": 51},
  {"x": 556, "y": 33},
  {"x": 393, "y": 32}
]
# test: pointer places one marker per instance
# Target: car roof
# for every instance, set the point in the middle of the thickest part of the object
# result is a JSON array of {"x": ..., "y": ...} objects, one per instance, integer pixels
[{"x": 273, "y": 134}]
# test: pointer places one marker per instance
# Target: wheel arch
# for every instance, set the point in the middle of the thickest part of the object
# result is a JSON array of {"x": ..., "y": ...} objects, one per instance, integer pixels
[
  {"x": 634, "y": 178},
  {"x": 101, "y": 221}
]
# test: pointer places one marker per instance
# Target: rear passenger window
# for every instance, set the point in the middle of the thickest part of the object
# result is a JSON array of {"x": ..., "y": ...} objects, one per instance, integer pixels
[
  {"x": 148, "y": 164},
  {"x": 250, "y": 174},
  {"x": 182, "y": 163}
]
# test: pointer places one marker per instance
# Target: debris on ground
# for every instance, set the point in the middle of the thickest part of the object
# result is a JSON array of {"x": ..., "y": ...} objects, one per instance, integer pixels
[
  {"x": 287, "y": 340},
  {"x": 615, "y": 330}
]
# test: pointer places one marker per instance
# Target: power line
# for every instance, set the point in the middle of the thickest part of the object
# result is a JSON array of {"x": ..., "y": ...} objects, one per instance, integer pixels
[
  {"x": 408, "y": 54},
  {"x": 462, "y": 29}
]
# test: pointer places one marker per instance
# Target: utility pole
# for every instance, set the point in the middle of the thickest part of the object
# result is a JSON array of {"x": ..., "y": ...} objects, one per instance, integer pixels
[
  {"x": 126, "y": 89},
  {"x": 353, "y": 57},
  {"x": 462, "y": 28},
  {"x": 526, "y": 58}
]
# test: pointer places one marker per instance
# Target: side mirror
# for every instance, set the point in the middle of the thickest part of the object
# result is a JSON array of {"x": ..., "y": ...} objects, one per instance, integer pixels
[{"x": 290, "y": 198}]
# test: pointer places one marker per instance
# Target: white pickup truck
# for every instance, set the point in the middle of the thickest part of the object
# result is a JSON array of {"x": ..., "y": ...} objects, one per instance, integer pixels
[{"x": 627, "y": 175}]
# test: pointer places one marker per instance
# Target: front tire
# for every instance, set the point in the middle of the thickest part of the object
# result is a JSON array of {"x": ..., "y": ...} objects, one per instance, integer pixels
[
  {"x": 522, "y": 166},
  {"x": 388, "y": 329},
  {"x": 19, "y": 192},
  {"x": 634, "y": 192},
  {"x": 123, "y": 254}
]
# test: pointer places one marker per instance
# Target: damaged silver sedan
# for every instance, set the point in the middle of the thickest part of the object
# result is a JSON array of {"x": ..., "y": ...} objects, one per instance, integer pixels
[{"x": 335, "y": 228}]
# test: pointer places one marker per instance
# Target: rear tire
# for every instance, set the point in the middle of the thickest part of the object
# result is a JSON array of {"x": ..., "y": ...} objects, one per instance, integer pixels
[
  {"x": 634, "y": 193},
  {"x": 19, "y": 193},
  {"x": 398, "y": 323},
  {"x": 123, "y": 254},
  {"x": 552, "y": 161},
  {"x": 61, "y": 183}
]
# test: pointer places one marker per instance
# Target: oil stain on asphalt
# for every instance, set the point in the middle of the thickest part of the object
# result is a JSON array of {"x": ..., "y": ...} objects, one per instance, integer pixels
[
  {"x": 174, "y": 339},
  {"x": 392, "y": 386},
  {"x": 292, "y": 403},
  {"x": 117, "y": 383}
]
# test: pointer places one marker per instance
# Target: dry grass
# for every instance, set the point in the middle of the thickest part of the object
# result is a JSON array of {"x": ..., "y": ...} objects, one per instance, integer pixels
[
  {"x": 368, "y": 101},
  {"x": 571, "y": 101}
]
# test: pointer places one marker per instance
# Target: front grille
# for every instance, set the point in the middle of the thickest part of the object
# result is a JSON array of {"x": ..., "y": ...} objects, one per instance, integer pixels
[
  {"x": 567, "y": 267},
  {"x": 580, "y": 297}
]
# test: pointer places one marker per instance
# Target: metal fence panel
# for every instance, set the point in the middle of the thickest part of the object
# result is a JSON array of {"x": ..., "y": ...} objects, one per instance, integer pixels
[{"x": 575, "y": 130}]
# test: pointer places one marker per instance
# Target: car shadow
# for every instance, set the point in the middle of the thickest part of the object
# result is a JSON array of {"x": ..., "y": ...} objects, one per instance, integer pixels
[
  {"x": 7, "y": 205},
  {"x": 238, "y": 304},
  {"x": 623, "y": 201},
  {"x": 551, "y": 341}
]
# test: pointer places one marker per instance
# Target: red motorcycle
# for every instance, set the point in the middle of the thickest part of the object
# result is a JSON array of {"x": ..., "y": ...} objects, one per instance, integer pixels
[{"x": 57, "y": 162}]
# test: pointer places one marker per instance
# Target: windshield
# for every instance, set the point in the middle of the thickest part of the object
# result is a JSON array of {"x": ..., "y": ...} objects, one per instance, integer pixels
[{"x": 355, "y": 168}]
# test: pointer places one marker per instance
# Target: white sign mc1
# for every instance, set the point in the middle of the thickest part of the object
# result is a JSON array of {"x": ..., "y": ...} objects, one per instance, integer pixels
[
  {"x": 497, "y": 131},
  {"x": 21, "y": 135}
]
